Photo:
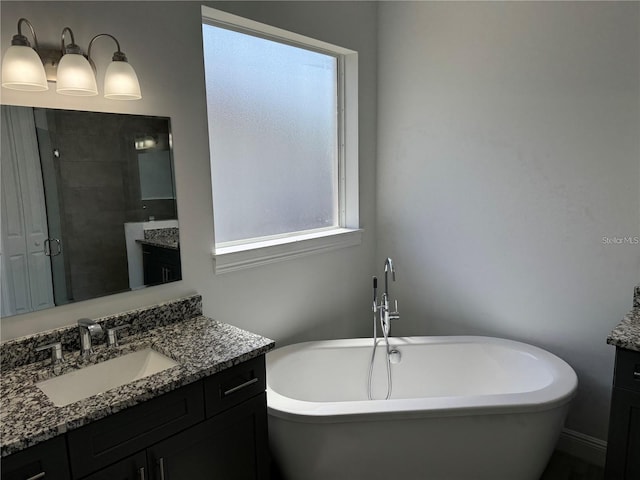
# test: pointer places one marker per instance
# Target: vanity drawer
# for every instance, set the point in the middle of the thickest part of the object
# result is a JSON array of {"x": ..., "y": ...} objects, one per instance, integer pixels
[
  {"x": 234, "y": 385},
  {"x": 42, "y": 461},
  {"x": 108, "y": 440},
  {"x": 627, "y": 374}
]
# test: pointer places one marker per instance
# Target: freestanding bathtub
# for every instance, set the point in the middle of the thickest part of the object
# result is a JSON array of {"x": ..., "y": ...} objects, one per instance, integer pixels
[{"x": 461, "y": 408}]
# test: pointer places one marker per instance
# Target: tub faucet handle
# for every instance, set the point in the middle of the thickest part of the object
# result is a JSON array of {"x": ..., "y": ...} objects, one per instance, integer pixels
[{"x": 395, "y": 315}]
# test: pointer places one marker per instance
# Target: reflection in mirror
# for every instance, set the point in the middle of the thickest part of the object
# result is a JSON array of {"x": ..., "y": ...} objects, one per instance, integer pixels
[{"x": 88, "y": 206}]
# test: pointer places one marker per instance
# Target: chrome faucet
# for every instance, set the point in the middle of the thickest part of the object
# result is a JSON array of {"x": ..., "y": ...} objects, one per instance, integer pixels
[
  {"x": 383, "y": 309},
  {"x": 88, "y": 328},
  {"x": 388, "y": 266},
  {"x": 385, "y": 312}
]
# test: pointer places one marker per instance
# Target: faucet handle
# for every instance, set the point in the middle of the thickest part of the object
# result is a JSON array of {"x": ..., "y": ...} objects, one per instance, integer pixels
[
  {"x": 112, "y": 335},
  {"x": 395, "y": 315},
  {"x": 56, "y": 351}
]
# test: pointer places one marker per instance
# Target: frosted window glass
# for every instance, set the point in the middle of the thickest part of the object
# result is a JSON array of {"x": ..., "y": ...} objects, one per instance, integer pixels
[{"x": 273, "y": 127}]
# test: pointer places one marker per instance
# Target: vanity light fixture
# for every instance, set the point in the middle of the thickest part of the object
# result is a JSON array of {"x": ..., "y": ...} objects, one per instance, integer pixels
[
  {"x": 145, "y": 142},
  {"x": 74, "y": 72},
  {"x": 120, "y": 80},
  {"x": 22, "y": 68}
]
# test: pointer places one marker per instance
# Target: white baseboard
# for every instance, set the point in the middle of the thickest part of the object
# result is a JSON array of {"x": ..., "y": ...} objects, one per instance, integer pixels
[{"x": 590, "y": 449}]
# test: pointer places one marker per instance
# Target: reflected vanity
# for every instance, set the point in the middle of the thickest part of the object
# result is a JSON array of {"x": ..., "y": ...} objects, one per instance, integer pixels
[{"x": 84, "y": 195}]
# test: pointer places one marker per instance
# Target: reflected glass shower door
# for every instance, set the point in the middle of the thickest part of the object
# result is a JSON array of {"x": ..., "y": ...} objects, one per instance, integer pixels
[{"x": 45, "y": 127}]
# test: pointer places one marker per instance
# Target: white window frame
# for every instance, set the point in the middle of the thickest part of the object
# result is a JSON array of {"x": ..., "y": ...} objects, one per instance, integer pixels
[{"x": 234, "y": 256}]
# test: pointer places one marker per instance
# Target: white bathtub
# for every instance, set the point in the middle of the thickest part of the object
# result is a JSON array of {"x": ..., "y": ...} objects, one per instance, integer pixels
[{"x": 461, "y": 408}]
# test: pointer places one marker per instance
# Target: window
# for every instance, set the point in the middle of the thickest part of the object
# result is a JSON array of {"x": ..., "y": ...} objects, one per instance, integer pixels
[{"x": 282, "y": 115}]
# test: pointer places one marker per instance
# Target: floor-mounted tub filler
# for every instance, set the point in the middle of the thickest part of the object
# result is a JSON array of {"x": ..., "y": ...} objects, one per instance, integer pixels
[{"x": 461, "y": 408}]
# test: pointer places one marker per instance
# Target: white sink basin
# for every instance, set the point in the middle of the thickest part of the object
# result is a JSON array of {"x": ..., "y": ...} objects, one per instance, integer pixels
[{"x": 86, "y": 382}]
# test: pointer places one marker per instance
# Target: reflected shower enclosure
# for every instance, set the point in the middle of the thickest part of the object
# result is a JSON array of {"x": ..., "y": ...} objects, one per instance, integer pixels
[{"x": 79, "y": 191}]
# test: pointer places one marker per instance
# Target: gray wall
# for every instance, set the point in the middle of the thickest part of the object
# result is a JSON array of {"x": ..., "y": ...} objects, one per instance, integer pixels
[
  {"x": 321, "y": 296},
  {"x": 508, "y": 147}
]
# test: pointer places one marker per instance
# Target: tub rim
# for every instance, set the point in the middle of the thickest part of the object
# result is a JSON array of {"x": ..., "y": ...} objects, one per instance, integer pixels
[{"x": 556, "y": 394}]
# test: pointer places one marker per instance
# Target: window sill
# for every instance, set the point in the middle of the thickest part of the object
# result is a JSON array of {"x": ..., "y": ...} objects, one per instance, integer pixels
[{"x": 239, "y": 257}]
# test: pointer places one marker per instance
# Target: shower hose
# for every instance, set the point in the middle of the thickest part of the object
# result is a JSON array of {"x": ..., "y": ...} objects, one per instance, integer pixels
[{"x": 385, "y": 331}]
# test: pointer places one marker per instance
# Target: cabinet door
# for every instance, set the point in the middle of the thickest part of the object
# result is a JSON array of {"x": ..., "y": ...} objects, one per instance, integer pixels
[
  {"x": 231, "y": 446},
  {"x": 109, "y": 440},
  {"x": 160, "y": 265},
  {"x": 46, "y": 461},
  {"x": 623, "y": 459},
  {"x": 151, "y": 269},
  {"x": 131, "y": 468}
]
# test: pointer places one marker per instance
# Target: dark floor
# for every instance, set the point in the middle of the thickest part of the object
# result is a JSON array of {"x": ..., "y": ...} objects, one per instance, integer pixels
[{"x": 565, "y": 467}]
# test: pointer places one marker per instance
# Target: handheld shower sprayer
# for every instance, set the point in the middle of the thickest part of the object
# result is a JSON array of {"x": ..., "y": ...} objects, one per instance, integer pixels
[{"x": 375, "y": 294}]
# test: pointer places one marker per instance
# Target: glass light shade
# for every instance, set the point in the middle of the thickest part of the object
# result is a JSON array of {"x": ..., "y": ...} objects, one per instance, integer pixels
[
  {"x": 22, "y": 69},
  {"x": 75, "y": 76},
  {"x": 121, "y": 82}
]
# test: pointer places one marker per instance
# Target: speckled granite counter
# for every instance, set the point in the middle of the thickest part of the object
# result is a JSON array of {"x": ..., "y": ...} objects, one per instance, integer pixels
[
  {"x": 159, "y": 243},
  {"x": 161, "y": 237},
  {"x": 200, "y": 345},
  {"x": 627, "y": 333}
]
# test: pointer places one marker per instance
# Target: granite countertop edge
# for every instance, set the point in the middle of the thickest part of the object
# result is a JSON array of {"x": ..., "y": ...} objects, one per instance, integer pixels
[
  {"x": 627, "y": 333},
  {"x": 201, "y": 346},
  {"x": 159, "y": 243}
]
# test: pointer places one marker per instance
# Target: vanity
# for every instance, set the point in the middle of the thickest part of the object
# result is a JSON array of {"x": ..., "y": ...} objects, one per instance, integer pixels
[
  {"x": 623, "y": 446},
  {"x": 205, "y": 417},
  {"x": 160, "y": 256}
]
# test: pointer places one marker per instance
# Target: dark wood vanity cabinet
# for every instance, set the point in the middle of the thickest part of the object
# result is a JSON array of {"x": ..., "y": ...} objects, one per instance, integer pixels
[
  {"x": 623, "y": 446},
  {"x": 211, "y": 429},
  {"x": 130, "y": 468},
  {"x": 160, "y": 264},
  {"x": 223, "y": 447},
  {"x": 47, "y": 460}
]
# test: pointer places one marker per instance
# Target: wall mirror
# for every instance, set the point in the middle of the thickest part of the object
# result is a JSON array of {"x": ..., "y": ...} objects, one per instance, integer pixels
[{"x": 88, "y": 206}]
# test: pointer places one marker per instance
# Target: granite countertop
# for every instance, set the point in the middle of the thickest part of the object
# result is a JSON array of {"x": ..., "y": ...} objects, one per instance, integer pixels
[
  {"x": 627, "y": 332},
  {"x": 200, "y": 345},
  {"x": 162, "y": 237},
  {"x": 160, "y": 242}
]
